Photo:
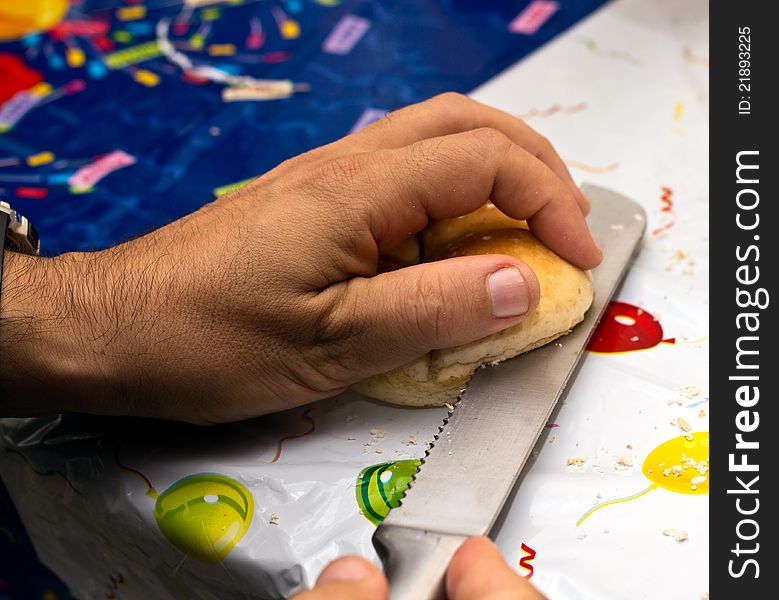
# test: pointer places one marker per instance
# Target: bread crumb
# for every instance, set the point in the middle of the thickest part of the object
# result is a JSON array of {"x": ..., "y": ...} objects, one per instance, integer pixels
[
  {"x": 702, "y": 466},
  {"x": 629, "y": 446},
  {"x": 624, "y": 461},
  {"x": 577, "y": 461},
  {"x": 679, "y": 536},
  {"x": 274, "y": 519},
  {"x": 349, "y": 418},
  {"x": 376, "y": 435},
  {"x": 449, "y": 407},
  {"x": 411, "y": 440},
  {"x": 617, "y": 227},
  {"x": 681, "y": 424},
  {"x": 378, "y": 451},
  {"x": 552, "y": 440},
  {"x": 581, "y": 535},
  {"x": 635, "y": 338},
  {"x": 701, "y": 413},
  {"x": 676, "y": 471},
  {"x": 690, "y": 391}
]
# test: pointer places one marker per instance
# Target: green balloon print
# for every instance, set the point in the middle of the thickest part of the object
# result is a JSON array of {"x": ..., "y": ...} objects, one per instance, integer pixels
[{"x": 380, "y": 487}]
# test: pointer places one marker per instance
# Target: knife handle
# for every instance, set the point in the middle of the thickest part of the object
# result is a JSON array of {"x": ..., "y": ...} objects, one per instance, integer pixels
[{"x": 415, "y": 561}]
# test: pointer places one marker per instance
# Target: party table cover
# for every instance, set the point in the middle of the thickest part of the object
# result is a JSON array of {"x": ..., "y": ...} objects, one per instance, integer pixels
[{"x": 614, "y": 501}]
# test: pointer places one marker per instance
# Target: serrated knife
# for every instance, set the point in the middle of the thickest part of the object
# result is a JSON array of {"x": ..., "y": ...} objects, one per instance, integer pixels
[{"x": 475, "y": 460}]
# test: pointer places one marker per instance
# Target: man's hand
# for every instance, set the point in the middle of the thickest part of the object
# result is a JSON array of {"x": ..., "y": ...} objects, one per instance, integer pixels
[
  {"x": 477, "y": 572},
  {"x": 269, "y": 297}
]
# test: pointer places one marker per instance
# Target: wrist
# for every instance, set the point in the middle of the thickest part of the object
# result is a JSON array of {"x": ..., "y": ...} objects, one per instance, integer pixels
[{"x": 46, "y": 364}]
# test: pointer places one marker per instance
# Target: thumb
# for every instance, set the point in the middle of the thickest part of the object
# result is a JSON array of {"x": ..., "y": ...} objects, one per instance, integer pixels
[
  {"x": 479, "y": 572},
  {"x": 348, "y": 578},
  {"x": 400, "y": 315}
]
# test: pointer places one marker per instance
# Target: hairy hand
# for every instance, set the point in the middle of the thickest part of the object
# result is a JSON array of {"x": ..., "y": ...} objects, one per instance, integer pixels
[{"x": 269, "y": 297}]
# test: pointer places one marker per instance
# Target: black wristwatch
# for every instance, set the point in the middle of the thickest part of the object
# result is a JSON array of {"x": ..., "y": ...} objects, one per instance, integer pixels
[{"x": 18, "y": 235}]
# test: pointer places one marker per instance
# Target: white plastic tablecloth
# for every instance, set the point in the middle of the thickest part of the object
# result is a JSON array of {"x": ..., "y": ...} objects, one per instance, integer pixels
[{"x": 624, "y": 97}]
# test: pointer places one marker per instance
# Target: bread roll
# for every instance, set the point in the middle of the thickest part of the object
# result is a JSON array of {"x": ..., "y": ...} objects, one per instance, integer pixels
[{"x": 566, "y": 293}]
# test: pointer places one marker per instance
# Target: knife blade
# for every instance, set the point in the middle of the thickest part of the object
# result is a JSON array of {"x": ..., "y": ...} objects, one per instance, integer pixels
[{"x": 473, "y": 463}]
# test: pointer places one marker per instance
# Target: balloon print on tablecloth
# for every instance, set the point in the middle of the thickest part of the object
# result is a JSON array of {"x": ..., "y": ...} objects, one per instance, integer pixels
[
  {"x": 679, "y": 465},
  {"x": 18, "y": 19},
  {"x": 380, "y": 487},
  {"x": 627, "y": 328},
  {"x": 204, "y": 515},
  {"x": 17, "y": 76}
]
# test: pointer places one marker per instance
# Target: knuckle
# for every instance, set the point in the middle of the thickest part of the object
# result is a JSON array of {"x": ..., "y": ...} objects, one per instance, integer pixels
[
  {"x": 488, "y": 141},
  {"x": 431, "y": 315},
  {"x": 421, "y": 155},
  {"x": 332, "y": 338},
  {"x": 491, "y": 136},
  {"x": 455, "y": 111},
  {"x": 343, "y": 170},
  {"x": 453, "y": 100},
  {"x": 543, "y": 146}
]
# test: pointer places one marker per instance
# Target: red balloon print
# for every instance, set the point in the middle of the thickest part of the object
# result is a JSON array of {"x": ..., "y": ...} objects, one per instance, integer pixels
[
  {"x": 626, "y": 328},
  {"x": 15, "y": 76}
]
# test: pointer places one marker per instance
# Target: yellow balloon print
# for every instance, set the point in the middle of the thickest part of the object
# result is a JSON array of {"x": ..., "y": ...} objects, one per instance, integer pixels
[{"x": 679, "y": 465}]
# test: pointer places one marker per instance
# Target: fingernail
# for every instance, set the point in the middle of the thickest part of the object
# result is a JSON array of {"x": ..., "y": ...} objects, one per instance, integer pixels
[
  {"x": 509, "y": 293},
  {"x": 345, "y": 569}
]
